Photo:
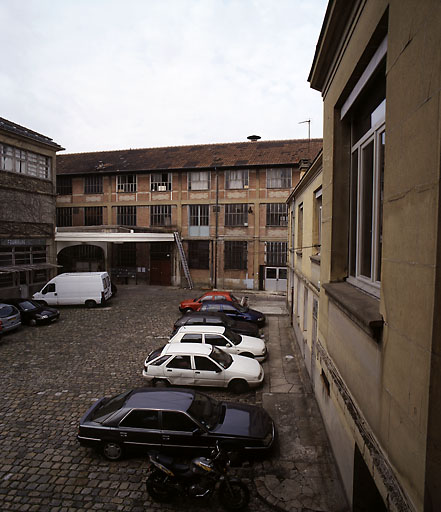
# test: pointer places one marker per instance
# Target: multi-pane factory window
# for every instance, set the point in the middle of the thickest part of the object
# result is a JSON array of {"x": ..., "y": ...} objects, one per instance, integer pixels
[
  {"x": 64, "y": 217},
  {"x": 126, "y": 215},
  {"x": 93, "y": 185},
  {"x": 64, "y": 185},
  {"x": 22, "y": 255},
  {"x": 235, "y": 255},
  {"x": 278, "y": 178},
  {"x": 236, "y": 179},
  {"x": 93, "y": 216},
  {"x": 199, "y": 214},
  {"x": 198, "y": 180},
  {"x": 125, "y": 255},
  {"x": 126, "y": 183},
  {"x": 277, "y": 214},
  {"x": 161, "y": 182},
  {"x": 24, "y": 162},
  {"x": 160, "y": 215},
  {"x": 275, "y": 253},
  {"x": 199, "y": 254},
  {"x": 236, "y": 215}
]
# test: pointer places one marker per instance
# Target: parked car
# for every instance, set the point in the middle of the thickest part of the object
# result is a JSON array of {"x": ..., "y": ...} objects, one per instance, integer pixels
[
  {"x": 194, "y": 304},
  {"x": 213, "y": 318},
  {"x": 224, "y": 338},
  {"x": 173, "y": 419},
  {"x": 234, "y": 311},
  {"x": 33, "y": 312},
  {"x": 9, "y": 318},
  {"x": 89, "y": 288},
  {"x": 196, "y": 364}
]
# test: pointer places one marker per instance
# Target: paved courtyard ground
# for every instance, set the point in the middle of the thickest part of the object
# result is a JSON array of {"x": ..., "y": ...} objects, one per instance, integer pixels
[{"x": 51, "y": 374}]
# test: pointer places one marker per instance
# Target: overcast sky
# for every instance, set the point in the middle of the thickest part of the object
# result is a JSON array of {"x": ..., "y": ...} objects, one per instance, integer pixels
[{"x": 113, "y": 74}]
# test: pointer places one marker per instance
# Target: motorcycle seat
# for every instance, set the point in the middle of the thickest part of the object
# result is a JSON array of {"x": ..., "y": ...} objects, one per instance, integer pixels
[{"x": 169, "y": 462}]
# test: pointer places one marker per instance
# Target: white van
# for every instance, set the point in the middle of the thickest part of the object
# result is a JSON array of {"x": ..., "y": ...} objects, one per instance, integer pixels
[{"x": 89, "y": 288}]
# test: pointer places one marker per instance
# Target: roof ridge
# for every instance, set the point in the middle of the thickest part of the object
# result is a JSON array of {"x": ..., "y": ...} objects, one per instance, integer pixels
[{"x": 195, "y": 145}]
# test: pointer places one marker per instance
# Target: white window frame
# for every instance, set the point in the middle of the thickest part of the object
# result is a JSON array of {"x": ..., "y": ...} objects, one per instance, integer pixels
[
  {"x": 279, "y": 177},
  {"x": 305, "y": 308},
  {"x": 199, "y": 180},
  {"x": 236, "y": 179},
  {"x": 368, "y": 284},
  {"x": 124, "y": 184}
]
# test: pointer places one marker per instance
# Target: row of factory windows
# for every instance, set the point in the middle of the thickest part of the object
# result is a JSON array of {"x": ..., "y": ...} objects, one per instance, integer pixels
[
  {"x": 162, "y": 182},
  {"x": 236, "y": 215}
]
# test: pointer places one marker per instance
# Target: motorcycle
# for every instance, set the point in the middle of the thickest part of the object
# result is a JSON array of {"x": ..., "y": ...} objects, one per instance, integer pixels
[{"x": 201, "y": 478}]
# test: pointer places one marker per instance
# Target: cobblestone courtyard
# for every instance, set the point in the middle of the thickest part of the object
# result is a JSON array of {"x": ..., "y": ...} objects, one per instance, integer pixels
[{"x": 51, "y": 374}]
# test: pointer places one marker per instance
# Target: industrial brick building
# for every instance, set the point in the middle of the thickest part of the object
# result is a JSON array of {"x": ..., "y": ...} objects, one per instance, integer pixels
[{"x": 119, "y": 211}]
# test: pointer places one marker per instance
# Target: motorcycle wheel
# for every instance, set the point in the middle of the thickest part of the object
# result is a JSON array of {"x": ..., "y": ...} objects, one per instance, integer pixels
[
  {"x": 234, "y": 496},
  {"x": 157, "y": 489}
]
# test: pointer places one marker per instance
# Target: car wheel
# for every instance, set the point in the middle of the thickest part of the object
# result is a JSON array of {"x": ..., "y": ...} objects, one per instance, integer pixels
[
  {"x": 247, "y": 354},
  {"x": 238, "y": 386},
  {"x": 160, "y": 383},
  {"x": 112, "y": 451},
  {"x": 187, "y": 310},
  {"x": 33, "y": 322},
  {"x": 90, "y": 303}
]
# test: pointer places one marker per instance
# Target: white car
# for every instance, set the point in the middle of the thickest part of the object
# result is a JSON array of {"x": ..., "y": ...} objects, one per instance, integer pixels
[
  {"x": 196, "y": 364},
  {"x": 222, "y": 337}
]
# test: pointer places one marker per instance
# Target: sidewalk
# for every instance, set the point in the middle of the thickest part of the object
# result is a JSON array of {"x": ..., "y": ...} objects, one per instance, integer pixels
[{"x": 303, "y": 477}]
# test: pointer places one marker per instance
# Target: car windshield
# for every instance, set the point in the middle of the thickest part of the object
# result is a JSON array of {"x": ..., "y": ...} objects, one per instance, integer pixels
[
  {"x": 242, "y": 309},
  {"x": 154, "y": 354},
  {"x": 206, "y": 410},
  {"x": 27, "y": 305},
  {"x": 109, "y": 406},
  {"x": 6, "y": 311},
  {"x": 221, "y": 357},
  {"x": 232, "y": 336}
]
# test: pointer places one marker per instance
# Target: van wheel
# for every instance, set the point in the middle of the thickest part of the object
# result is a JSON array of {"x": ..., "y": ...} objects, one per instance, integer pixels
[
  {"x": 90, "y": 304},
  {"x": 238, "y": 386}
]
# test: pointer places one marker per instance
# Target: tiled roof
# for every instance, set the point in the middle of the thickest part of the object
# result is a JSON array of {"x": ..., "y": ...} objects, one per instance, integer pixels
[
  {"x": 21, "y": 131},
  {"x": 238, "y": 154}
]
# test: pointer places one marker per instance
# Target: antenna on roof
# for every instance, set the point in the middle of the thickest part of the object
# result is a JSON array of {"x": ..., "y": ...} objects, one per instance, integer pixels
[
  {"x": 254, "y": 138},
  {"x": 309, "y": 127}
]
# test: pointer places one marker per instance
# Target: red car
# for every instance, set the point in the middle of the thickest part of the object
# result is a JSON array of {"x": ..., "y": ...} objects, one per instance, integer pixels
[{"x": 195, "y": 304}]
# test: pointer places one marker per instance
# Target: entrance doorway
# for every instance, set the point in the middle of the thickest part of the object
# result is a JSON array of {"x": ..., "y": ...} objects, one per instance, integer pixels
[
  {"x": 160, "y": 263},
  {"x": 81, "y": 258},
  {"x": 275, "y": 279}
]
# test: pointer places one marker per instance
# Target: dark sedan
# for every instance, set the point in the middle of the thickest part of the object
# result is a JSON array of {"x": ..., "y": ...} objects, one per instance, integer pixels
[
  {"x": 33, "y": 312},
  {"x": 234, "y": 311},
  {"x": 173, "y": 419},
  {"x": 217, "y": 319}
]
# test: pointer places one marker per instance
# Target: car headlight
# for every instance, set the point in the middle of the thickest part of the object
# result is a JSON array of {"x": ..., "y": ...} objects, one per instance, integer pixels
[
  {"x": 260, "y": 318},
  {"x": 41, "y": 317},
  {"x": 268, "y": 438}
]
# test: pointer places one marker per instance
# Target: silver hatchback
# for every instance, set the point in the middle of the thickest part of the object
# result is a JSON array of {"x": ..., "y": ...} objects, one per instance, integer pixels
[{"x": 9, "y": 318}]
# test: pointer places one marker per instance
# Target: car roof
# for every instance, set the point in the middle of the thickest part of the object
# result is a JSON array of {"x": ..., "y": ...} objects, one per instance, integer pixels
[
  {"x": 215, "y": 329},
  {"x": 186, "y": 349},
  {"x": 204, "y": 314},
  {"x": 173, "y": 399},
  {"x": 228, "y": 302}
]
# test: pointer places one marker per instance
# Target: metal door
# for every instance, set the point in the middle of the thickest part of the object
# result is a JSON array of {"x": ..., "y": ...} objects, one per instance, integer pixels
[{"x": 276, "y": 279}]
